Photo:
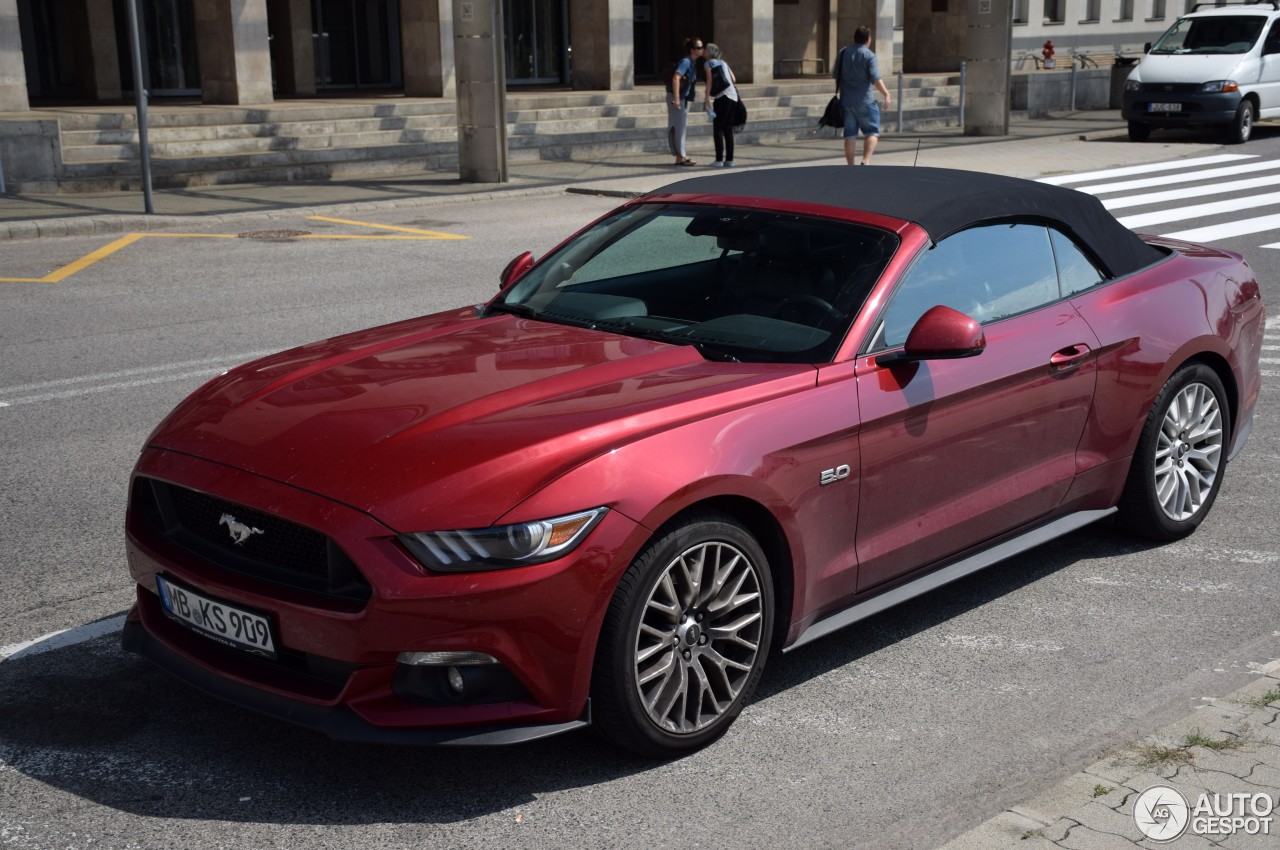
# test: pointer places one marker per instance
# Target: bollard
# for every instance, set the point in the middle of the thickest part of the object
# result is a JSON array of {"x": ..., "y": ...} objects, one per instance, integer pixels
[
  {"x": 2, "y": 177},
  {"x": 1073, "y": 83},
  {"x": 963, "y": 69},
  {"x": 899, "y": 101}
]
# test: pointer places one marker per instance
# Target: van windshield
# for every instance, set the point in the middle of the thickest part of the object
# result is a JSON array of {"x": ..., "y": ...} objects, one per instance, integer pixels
[{"x": 1218, "y": 34}]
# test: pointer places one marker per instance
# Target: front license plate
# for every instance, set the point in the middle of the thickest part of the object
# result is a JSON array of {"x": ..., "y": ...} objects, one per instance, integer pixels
[
  {"x": 1164, "y": 107},
  {"x": 227, "y": 624}
]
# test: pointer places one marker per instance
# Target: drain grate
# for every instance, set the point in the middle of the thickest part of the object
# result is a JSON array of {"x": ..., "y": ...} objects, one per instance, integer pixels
[{"x": 273, "y": 235}]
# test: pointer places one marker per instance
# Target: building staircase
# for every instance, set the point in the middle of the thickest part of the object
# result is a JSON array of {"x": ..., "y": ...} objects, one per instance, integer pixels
[{"x": 370, "y": 138}]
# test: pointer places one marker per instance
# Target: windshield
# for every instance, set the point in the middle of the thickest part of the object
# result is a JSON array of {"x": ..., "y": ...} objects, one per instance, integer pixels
[
  {"x": 739, "y": 284},
  {"x": 1218, "y": 34}
]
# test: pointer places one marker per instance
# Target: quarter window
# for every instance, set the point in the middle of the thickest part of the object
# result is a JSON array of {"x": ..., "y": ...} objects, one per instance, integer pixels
[{"x": 1076, "y": 272}]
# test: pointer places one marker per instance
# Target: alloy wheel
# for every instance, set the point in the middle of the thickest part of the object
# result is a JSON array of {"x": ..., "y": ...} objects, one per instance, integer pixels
[
  {"x": 1188, "y": 451},
  {"x": 699, "y": 637}
]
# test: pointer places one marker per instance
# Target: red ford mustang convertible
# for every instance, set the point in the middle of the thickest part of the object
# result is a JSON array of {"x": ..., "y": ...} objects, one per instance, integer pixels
[{"x": 728, "y": 418}]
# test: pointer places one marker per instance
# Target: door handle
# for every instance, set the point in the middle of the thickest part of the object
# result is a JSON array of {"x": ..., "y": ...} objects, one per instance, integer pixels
[{"x": 1069, "y": 357}]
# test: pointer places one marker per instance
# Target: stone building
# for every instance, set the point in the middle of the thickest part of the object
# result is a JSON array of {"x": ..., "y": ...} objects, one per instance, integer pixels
[{"x": 256, "y": 51}]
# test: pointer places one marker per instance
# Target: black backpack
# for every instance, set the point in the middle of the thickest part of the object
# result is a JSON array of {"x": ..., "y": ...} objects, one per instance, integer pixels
[{"x": 668, "y": 71}]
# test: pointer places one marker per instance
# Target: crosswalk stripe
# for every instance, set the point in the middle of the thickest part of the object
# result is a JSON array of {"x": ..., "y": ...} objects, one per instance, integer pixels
[
  {"x": 1185, "y": 177},
  {"x": 1128, "y": 170},
  {"x": 1190, "y": 192},
  {"x": 1226, "y": 230},
  {"x": 1134, "y": 222}
]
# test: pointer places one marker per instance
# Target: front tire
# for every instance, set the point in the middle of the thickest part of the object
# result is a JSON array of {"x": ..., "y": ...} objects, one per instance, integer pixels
[
  {"x": 685, "y": 638},
  {"x": 1242, "y": 126},
  {"x": 1181, "y": 457},
  {"x": 1139, "y": 132}
]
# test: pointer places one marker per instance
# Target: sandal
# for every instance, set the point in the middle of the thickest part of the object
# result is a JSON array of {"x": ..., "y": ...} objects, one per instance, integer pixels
[{"x": 686, "y": 161}]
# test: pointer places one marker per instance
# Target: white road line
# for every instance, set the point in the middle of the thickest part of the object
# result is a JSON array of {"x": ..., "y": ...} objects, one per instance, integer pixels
[
  {"x": 1144, "y": 169},
  {"x": 1199, "y": 210},
  {"x": 1270, "y": 361},
  {"x": 1187, "y": 177},
  {"x": 132, "y": 373},
  {"x": 106, "y": 388},
  {"x": 1274, "y": 321},
  {"x": 1218, "y": 232},
  {"x": 1191, "y": 192},
  {"x": 61, "y": 639}
]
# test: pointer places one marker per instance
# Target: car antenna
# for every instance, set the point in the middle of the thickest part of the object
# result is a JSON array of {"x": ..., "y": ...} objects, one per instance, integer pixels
[{"x": 917, "y": 159}]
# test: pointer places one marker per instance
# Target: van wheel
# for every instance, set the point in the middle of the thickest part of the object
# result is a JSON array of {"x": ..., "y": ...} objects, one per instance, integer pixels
[
  {"x": 1242, "y": 127},
  {"x": 1139, "y": 132}
]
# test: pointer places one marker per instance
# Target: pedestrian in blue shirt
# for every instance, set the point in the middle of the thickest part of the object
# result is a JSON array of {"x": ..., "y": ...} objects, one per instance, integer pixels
[
  {"x": 857, "y": 73},
  {"x": 682, "y": 83}
]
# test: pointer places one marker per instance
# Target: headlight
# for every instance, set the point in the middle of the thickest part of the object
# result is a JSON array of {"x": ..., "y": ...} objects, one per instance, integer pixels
[
  {"x": 502, "y": 546},
  {"x": 1220, "y": 85},
  {"x": 1133, "y": 85}
]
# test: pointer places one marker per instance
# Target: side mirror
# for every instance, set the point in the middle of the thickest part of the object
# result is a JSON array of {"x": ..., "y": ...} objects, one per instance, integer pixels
[
  {"x": 940, "y": 334},
  {"x": 1146, "y": 48},
  {"x": 515, "y": 270}
]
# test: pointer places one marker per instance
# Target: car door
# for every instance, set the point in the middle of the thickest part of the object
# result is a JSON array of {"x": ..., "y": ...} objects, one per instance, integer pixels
[
  {"x": 1269, "y": 73},
  {"x": 955, "y": 452}
]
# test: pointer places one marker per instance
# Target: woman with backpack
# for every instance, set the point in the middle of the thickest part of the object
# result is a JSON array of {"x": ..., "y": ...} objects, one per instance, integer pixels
[{"x": 721, "y": 86}]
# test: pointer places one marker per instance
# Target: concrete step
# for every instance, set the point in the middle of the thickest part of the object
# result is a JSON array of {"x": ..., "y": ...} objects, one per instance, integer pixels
[{"x": 199, "y": 145}]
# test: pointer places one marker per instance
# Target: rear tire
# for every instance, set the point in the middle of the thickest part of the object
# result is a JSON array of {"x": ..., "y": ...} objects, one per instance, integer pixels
[
  {"x": 1139, "y": 132},
  {"x": 685, "y": 638},
  {"x": 1181, "y": 457},
  {"x": 1242, "y": 126}
]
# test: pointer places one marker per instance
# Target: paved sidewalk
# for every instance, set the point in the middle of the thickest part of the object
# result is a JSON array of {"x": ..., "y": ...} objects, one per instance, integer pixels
[
  {"x": 1230, "y": 746},
  {"x": 1072, "y": 142}
]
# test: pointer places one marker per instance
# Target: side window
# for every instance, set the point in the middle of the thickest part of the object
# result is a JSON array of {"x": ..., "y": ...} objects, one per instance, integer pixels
[
  {"x": 988, "y": 273},
  {"x": 1076, "y": 272}
]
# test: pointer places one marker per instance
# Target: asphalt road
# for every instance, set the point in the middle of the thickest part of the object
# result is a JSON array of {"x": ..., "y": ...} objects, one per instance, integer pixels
[{"x": 898, "y": 733}]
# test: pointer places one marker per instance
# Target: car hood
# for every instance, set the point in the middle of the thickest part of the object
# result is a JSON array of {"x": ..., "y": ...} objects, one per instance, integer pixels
[
  {"x": 452, "y": 420},
  {"x": 1158, "y": 68}
]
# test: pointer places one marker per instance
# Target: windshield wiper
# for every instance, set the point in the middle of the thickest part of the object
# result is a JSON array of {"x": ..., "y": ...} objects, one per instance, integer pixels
[
  {"x": 677, "y": 337},
  {"x": 522, "y": 310}
]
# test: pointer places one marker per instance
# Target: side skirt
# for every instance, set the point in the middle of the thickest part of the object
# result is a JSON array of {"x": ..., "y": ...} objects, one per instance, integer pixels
[{"x": 948, "y": 574}]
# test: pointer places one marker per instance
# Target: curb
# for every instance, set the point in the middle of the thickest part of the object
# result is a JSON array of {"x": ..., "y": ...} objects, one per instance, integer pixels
[{"x": 1094, "y": 808}]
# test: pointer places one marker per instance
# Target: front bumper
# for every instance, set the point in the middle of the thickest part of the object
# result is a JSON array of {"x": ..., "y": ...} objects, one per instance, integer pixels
[
  {"x": 336, "y": 669},
  {"x": 1193, "y": 107},
  {"x": 337, "y": 721}
]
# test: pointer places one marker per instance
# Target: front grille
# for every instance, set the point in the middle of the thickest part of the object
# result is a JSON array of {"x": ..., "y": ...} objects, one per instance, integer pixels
[
  {"x": 1170, "y": 88},
  {"x": 270, "y": 548}
]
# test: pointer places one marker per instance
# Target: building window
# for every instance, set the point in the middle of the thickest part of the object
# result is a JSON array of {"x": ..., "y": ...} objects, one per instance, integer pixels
[
  {"x": 1019, "y": 11},
  {"x": 1092, "y": 11},
  {"x": 1126, "y": 10},
  {"x": 1055, "y": 11},
  {"x": 1157, "y": 10}
]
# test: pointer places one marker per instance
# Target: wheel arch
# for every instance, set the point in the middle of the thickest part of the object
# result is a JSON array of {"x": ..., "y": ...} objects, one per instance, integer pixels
[{"x": 1222, "y": 369}]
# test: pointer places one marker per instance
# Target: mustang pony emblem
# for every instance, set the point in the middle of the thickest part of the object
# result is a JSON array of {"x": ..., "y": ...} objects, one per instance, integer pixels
[{"x": 239, "y": 531}]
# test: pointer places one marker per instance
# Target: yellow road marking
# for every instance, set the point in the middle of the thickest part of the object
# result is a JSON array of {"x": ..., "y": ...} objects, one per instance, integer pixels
[
  {"x": 432, "y": 234},
  {"x": 87, "y": 260}
]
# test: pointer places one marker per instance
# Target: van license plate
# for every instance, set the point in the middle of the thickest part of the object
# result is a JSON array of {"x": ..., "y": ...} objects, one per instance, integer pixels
[
  {"x": 1164, "y": 107},
  {"x": 227, "y": 624}
]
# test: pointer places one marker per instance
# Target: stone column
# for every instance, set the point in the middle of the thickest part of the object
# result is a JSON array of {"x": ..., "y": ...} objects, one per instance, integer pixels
[
  {"x": 482, "y": 91},
  {"x": 744, "y": 31},
  {"x": 986, "y": 101},
  {"x": 235, "y": 55},
  {"x": 426, "y": 40},
  {"x": 294, "y": 46},
  {"x": 602, "y": 35},
  {"x": 877, "y": 15},
  {"x": 13, "y": 73},
  {"x": 104, "y": 57}
]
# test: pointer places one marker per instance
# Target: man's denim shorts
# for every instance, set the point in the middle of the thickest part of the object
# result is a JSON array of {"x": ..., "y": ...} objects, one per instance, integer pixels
[{"x": 865, "y": 117}]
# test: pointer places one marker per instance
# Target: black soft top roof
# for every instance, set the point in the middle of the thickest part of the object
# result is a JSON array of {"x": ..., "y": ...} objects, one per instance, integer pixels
[{"x": 940, "y": 200}]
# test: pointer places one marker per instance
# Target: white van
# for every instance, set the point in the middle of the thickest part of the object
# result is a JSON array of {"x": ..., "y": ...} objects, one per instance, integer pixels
[{"x": 1217, "y": 65}]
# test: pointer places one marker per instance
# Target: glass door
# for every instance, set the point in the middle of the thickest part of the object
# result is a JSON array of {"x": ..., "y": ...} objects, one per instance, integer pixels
[
  {"x": 170, "y": 61},
  {"x": 357, "y": 43},
  {"x": 536, "y": 43}
]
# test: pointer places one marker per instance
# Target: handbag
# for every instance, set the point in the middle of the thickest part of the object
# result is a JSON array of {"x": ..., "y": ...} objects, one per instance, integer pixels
[
  {"x": 833, "y": 115},
  {"x": 739, "y": 116},
  {"x": 719, "y": 80}
]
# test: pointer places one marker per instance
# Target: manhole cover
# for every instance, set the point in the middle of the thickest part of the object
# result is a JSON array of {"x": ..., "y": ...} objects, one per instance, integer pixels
[{"x": 274, "y": 235}]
